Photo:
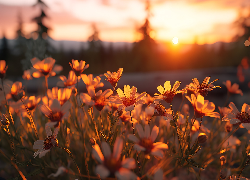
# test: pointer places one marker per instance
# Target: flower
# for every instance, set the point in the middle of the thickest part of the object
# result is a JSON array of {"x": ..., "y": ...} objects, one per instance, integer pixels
[
  {"x": 99, "y": 99},
  {"x": 16, "y": 92},
  {"x": 44, "y": 146},
  {"x": 236, "y": 117},
  {"x": 146, "y": 140},
  {"x": 223, "y": 111},
  {"x": 55, "y": 112},
  {"x": 30, "y": 103},
  {"x": 77, "y": 67},
  {"x": 247, "y": 43},
  {"x": 62, "y": 94},
  {"x": 160, "y": 110},
  {"x": 71, "y": 81},
  {"x": 110, "y": 163},
  {"x": 114, "y": 77},
  {"x": 202, "y": 107},
  {"x": 27, "y": 75},
  {"x": 3, "y": 68},
  {"x": 233, "y": 89},
  {"x": 129, "y": 99},
  {"x": 89, "y": 81},
  {"x": 167, "y": 93},
  {"x": 45, "y": 67},
  {"x": 203, "y": 88}
]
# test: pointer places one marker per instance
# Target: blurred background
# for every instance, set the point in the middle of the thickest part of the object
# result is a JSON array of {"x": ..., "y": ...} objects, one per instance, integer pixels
[{"x": 188, "y": 38}]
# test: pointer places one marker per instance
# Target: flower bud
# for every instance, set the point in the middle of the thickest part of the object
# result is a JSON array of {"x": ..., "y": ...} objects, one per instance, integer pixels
[
  {"x": 92, "y": 141},
  {"x": 202, "y": 138},
  {"x": 4, "y": 120},
  {"x": 222, "y": 160},
  {"x": 228, "y": 127}
]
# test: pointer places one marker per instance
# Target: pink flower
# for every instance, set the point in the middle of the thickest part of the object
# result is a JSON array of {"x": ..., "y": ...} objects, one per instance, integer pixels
[
  {"x": 235, "y": 117},
  {"x": 234, "y": 89},
  {"x": 110, "y": 163},
  {"x": 146, "y": 141}
]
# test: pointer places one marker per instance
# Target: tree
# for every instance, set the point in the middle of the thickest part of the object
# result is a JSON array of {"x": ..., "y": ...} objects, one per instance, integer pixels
[{"x": 144, "y": 50}]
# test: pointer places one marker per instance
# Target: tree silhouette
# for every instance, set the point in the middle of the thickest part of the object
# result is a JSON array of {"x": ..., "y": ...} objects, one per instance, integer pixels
[
  {"x": 143, "y": 50},
  {"x": 4, "y": 49}
]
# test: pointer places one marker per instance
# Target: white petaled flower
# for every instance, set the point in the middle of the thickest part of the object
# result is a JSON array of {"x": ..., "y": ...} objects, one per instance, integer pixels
[
  {"x": 99, "y": 99},
  {"x": 129, "y": 98},
  {"x": 45, "y": 146},
  {"x": 146, "y": 140},
  {"x": 237, "y": 117},
  {"x": 110, "y": 163},
  {"x": 55, "y": 112}
]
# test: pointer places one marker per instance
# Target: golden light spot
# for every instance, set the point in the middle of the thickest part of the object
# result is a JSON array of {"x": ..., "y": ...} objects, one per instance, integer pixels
[{"x": 175, "y": 40}]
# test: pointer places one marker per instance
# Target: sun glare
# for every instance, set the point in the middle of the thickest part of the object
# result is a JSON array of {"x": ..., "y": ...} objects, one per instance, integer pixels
[{"x": 175, "y": 40}]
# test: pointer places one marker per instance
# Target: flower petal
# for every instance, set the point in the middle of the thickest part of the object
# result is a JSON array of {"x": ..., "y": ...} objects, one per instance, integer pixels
[
  {"x": 129, "y": 163},
  {"x": 106, "y": 150},
  {"x": 133, "y": 138},
  {"x": 102, "y": 171},
  {"x": 125, "y": 174},
  {"x": 154, "y": 133},
  {"x": 139, "y": 148},
  {"x": 140, "y": 131},
  {"x": 97, "y": 153},
  {"x": 118, "y": 148}
]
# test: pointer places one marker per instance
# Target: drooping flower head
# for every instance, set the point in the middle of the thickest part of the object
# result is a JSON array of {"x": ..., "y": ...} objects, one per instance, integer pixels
[
  {"x": 129, "y": 99},
  {"x": 203, "y": 88},
  {"x": 236, "y": 117},
  {"x": 77, "y": 67},
  {"x": 111, "y": 164},
  {"x": 168, "y": 93},
  {"x": 3, "y": 68},
  {"x": 202, "y": 107},
  {"x": 45, "y": 67},
  {"x": 146, "y": 140},
  {"x": 114, "y": 77},
  {"x": 233, "y": 89},
  {"x": 55, "y": 112}
]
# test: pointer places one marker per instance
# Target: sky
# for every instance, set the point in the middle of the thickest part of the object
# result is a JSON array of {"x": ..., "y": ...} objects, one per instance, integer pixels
[{"x": 200, "y": 21}]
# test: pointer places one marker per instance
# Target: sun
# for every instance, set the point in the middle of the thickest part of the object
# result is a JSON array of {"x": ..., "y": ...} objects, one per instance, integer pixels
[{"x": 175, "y": 40}]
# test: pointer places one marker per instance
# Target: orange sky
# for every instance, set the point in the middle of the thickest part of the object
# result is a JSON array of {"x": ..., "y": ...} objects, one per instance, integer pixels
[{"x": 205, "y": 21}]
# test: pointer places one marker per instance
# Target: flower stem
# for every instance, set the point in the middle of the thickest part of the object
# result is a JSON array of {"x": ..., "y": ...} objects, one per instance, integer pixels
[
  {"x": 71, "y": 156},
  {"x": 30, "y": 118}
]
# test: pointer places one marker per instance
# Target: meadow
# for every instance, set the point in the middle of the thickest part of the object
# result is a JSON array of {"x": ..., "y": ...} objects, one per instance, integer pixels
[{"x": 119, "y": 133}]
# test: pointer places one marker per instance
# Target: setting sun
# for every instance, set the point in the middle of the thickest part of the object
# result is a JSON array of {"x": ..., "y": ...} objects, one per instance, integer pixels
[{"x": 175, "y": 40}]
